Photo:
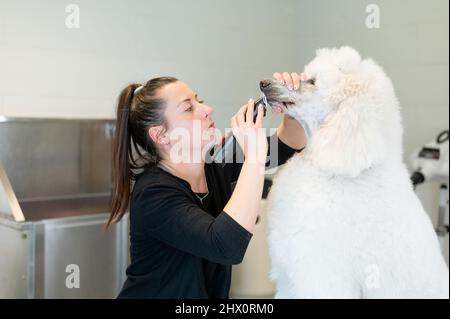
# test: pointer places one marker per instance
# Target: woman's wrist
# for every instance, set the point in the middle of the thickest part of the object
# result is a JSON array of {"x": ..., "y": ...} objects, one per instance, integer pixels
[
  {"x": 243, "y": 205},
  {"x": 291, "y": 133},
  {"x": 257, "y": 159},
  {"x": 256, "y": 164}
]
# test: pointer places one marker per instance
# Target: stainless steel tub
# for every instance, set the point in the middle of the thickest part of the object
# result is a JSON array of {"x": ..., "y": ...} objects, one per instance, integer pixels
[{"x": 54, "y": 201}]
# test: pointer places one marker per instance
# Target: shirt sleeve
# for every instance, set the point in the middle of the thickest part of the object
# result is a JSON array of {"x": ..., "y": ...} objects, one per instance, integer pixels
[
  {"x": 282, "y": 155},
  {"x": 171, "y": 217}
]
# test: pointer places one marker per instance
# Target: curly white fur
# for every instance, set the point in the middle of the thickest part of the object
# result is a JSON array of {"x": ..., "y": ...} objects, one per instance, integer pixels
[{"x": 344, "y": 221}]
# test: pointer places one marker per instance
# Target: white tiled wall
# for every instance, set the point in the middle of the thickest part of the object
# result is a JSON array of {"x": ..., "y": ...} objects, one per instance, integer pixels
[{"x": 220, "y": 48}]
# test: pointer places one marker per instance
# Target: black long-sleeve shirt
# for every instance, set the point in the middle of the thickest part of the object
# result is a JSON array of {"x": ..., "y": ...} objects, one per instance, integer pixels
[{"x": 182, "y": 247}]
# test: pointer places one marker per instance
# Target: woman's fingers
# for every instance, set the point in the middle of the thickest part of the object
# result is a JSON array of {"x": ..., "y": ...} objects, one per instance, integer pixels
[
  {"x": 240, "y": 116},
  {"x": 295, "y": 80},
  {"x": 288, "y": 80},
  {"x": 278, "y": 77},
  {"x": 250, "y": 111},
  {"x": 292, "y": 81},
  {"x": 260, "y": 117},
  {"x": 244, "y": 117},
  {"x": 234, "y": 126},
  {"x": 233, "y": 122}
]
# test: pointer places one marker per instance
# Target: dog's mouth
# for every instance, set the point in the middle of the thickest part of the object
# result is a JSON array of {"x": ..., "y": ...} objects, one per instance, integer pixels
[{"x": 278, "y": 96}]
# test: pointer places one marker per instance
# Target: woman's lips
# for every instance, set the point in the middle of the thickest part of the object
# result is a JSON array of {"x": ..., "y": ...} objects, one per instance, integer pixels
[{"x": 212, "y": 125}]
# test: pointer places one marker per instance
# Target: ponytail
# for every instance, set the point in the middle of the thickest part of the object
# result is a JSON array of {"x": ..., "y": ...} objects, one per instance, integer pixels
[
  {"x": 133, "y": 149},
  {"x": 122, "y": 173}
]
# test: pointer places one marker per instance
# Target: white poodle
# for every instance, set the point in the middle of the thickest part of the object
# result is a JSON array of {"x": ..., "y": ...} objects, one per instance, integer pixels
[{"x": 344, "y": 221}]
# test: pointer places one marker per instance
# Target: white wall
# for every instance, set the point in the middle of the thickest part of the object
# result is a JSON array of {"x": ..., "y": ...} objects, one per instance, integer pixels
[
  {"x": 412, "y": 46},
  {"x": 220, "y": 48}
]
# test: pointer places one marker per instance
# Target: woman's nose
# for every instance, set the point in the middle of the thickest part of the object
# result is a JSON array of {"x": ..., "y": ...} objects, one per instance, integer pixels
[{"x": 208, "y": 111}]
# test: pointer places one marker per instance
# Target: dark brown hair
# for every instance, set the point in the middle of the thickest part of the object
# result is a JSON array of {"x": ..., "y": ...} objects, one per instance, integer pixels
[{"x": 138, "y": 109}]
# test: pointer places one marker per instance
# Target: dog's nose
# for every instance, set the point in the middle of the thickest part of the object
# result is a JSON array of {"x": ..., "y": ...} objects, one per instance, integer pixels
[{"x": 264, "y": 83}]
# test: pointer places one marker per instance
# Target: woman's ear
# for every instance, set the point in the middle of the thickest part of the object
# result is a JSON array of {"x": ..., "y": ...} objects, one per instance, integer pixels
[{"x": 157, "y": 135}]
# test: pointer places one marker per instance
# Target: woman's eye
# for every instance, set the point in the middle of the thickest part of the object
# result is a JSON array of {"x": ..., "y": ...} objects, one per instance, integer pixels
[
  {"x": 189, "y": 108},
  {"x": 201, "y": 101}
]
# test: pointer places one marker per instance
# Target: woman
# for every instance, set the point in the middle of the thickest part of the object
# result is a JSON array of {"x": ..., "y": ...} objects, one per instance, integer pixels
[{"x": 187, "y": 227}]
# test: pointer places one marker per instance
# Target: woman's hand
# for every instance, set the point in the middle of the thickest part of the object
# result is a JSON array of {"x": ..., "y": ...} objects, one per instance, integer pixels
[
  {"x": 244, "y": 204},
  {"x": 290, "y": 130},
  {"x": 250, "y": 135},
  {"x": 291, "y": 81}
]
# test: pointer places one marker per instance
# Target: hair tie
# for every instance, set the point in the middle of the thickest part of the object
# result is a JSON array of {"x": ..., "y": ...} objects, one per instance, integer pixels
[{"x": 138, "y": 89}]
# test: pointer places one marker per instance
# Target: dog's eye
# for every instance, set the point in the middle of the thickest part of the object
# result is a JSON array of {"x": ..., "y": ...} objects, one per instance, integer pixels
[{"x": 311, "y": 81}]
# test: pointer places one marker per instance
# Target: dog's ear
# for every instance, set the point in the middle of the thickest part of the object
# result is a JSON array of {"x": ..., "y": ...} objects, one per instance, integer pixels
[
  {"x": 350, "y": 86},
  {"x": 350, "y": 141}
]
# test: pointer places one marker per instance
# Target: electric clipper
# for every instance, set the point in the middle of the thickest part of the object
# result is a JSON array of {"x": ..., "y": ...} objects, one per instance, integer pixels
[{"x": 227, "y": 150}]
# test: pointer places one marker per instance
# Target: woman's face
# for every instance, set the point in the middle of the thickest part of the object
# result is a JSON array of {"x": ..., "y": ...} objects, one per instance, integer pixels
[{"x": 189, "y": 122}]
